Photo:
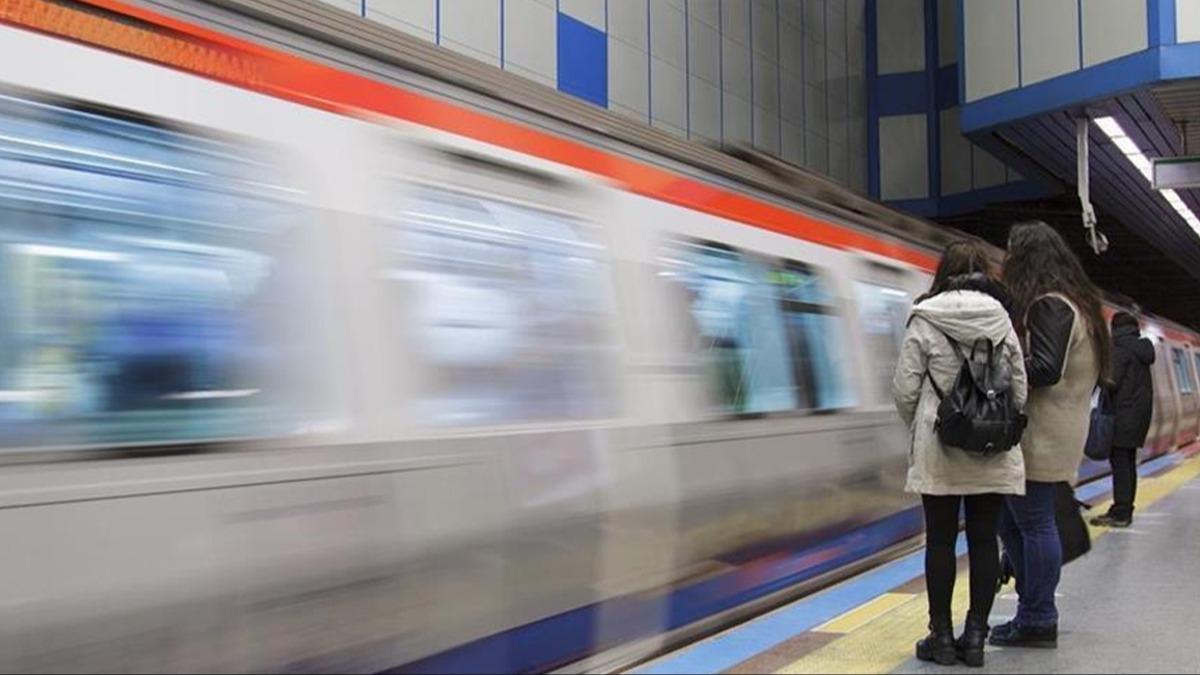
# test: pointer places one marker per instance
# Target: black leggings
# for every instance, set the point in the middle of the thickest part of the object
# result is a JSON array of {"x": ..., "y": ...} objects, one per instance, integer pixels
[{"x": 941, "y": 564}]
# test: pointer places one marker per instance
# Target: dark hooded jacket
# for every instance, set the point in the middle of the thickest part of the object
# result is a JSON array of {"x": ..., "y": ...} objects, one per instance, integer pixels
[{"x": 1132, "y": 390}]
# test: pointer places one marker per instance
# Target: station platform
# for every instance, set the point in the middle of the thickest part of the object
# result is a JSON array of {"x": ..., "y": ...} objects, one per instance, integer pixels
[{"x": 1128, "y": 606}]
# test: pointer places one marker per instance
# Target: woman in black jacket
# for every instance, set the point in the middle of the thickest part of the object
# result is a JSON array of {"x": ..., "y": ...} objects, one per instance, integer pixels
[{"x": 1133, "y": 403}]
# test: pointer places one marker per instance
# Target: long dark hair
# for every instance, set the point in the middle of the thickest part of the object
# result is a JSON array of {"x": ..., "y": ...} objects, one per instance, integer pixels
[
  {"x": 965, "y": 266},
  {"x": 1040, "y": 262}
]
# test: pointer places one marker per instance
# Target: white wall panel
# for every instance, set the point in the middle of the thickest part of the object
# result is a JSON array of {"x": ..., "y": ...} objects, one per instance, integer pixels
[
  {"x": 667, "y": 36},
  {"x": 989, "y": 171},
  {"x": 947, "y": 24},
  {"x": 791, "y": 12},
  {"x": 706, "y": 11},
  {"x": 856, "y": 43},
  {"x": 418, "y": 17},
  {"x": 901, "y": 29},
  {"x": 765, "y": 28},
  {"x": 814, "y": 20},
  {"x": 814, "y": 62},
  {"x": 1049, "y": 39},
  {"x": 628, "y": 77},
  {"x": 704, "y": 109},
  {"x": 816, "y": 151},
  {"x": 766, "y": 83},
  {"x": 792, "y": 141},
  {"x": 766, "y": 130},
  {"x": 1112, "y": 29},
  {"x": 591, "y": 12},
  {"x": 791, "y": 47},
  {"x": 737, "y": 68},
  {"x": 627, "y": 22},
  {"x": 791, "y": 97},
  {"x": 735, "y": 21},
  {"x": 472, "y": 27},
  {"x": 348, "y": 5},
  {"x": 956, "y": 155},
  {"x": 704, "y": 51},
  {"x": 737, "y": 119},
  {"x": 990, "y": 62},
  {"x": 668, "y": 94},
  {"x": 1187, "y": 20},
  {"x": 838, "y": 112},
  {"x": 839, "y": 162},
  {"x": 530, "y": 40},
  {"x": 903, "y": 162},
  {"x": 816, "y": 109}
]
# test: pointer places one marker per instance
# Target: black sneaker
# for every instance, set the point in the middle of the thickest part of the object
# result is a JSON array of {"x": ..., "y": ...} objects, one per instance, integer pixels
[
  {"x": 1108, "y": 521},
  {"x": 1013, "y": 635}
]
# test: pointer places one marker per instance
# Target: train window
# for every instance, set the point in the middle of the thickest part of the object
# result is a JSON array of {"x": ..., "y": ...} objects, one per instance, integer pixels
[
  {"x": 1197, "y": 356},
  {"x": 767, "y": 332},
  {"x": 814, "y": 336},
  {"x": 1183, "y": 375},
  {"x": 883, "y": 313},
  {"x": 511, "y": 310},
  {"x": 139, "y": 270}
]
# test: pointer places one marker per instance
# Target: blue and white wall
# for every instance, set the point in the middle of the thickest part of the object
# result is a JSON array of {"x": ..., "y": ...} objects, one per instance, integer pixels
[
  {"x": 919, "y": 158},
  {"x": 1027, "y": 57},
  {"x": 788, "y": 76}
]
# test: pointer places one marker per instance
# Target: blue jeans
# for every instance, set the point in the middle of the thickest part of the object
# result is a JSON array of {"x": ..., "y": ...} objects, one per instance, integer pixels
[{"x": 1030, "y": 536}]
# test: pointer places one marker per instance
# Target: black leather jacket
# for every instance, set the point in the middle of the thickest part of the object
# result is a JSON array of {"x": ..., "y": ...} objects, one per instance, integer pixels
[
  {"x": 1048, "y": 325},
  {"x": 1133, "y": 388}
]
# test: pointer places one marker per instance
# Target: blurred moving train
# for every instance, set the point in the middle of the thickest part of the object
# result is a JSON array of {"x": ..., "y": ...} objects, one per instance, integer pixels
[{"x": 305, "y": 371}]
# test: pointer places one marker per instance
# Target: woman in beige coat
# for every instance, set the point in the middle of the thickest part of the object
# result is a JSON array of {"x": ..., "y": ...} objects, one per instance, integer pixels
[
  {"x": 1058, "y": 312},
  {"x": 965, "y": 305}
]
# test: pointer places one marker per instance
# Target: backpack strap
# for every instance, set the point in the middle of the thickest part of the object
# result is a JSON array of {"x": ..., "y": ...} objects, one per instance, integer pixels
[{"x": 953, "y": 345}]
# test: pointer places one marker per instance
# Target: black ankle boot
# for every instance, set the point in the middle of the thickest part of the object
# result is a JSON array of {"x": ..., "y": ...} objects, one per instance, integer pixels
[
  {"x": 969, "y": 647},
  {"x": 938, "y": 646}
]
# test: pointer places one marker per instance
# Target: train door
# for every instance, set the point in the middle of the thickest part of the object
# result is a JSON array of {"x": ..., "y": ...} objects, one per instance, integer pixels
[
  {"x": 1185, "y": 385},
  {"x": 1162, "y": 430},
  {"x": 1190, "y": 427},
  {"x": 1195, "y": 358}
]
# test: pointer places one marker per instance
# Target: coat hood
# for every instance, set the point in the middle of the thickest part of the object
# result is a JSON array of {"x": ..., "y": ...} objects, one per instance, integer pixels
[
  {"x": 966, "y": 316},
  {"x": 1128, "y": 337}
]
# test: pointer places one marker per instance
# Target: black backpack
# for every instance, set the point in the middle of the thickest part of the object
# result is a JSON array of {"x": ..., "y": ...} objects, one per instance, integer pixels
[{"x": 978, "y": 415}]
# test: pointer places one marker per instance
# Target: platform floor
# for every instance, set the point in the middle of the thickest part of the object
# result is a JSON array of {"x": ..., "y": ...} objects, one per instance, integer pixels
[{"x": 1128, "y": 606}]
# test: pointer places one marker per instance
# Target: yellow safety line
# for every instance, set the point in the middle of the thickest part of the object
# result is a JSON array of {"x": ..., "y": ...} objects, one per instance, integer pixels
[
  {"x": 864, "y": 614},
  {"x": 884, "y": 640}
]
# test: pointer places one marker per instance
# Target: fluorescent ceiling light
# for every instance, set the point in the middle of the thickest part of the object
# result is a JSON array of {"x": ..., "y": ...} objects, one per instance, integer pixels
[{"x": 1112, "y": 128}]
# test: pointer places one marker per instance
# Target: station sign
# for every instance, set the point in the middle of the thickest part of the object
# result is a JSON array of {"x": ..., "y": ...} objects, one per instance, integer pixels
[{"x": 1175, "y": 173}]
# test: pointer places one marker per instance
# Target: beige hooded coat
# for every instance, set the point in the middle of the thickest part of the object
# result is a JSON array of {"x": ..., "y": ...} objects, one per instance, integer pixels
[{"x": 964, "y": 316}]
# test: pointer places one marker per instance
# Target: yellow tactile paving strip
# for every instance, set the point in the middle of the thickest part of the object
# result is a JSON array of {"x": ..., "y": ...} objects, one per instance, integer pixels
[{"x": 879, "y": 635}]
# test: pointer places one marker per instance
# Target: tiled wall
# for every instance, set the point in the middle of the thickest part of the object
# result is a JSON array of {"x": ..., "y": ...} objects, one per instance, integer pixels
[
  {"x": 787, "y": 76},
  {"x": 924, "y": 162}
]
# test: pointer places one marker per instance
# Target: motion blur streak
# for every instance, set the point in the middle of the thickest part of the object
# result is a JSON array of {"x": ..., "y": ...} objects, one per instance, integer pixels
[{"x": 286, "y": 389}]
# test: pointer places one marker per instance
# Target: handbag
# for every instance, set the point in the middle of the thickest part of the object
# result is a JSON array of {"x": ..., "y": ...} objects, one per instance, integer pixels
[
  {"x": 1100, "y": 432},
  {"x": 1073, "y": 532}
]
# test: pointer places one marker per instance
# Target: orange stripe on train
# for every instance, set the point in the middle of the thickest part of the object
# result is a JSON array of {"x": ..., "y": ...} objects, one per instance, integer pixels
[{"x": 141, "y": 33}]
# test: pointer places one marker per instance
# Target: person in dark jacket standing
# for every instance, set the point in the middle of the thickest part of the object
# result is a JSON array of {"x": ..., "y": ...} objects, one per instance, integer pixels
[{"x": 1133, "y": 404}]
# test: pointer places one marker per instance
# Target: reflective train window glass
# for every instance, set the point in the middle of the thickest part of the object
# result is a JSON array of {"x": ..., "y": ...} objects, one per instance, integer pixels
[
  {"x": 144, "y": 274},
  {"x": 1197, "y": 358},
  {"x": 882, "y": 313},
  {"x": 814, "y": 337},
  {"x": 737, "y": 327},
  {"x": 511, "y": 310},
  {"x": 1182, "y": 373}
]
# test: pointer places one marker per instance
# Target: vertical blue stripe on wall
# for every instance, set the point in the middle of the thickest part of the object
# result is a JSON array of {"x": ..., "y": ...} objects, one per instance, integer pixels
[
  {"x": 1161, "y": 22},
  {"x": 582, "y": 60}
]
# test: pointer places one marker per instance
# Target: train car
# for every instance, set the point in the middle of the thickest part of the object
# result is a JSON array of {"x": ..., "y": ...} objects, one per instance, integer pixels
[{"x": 313, "y": 362}]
